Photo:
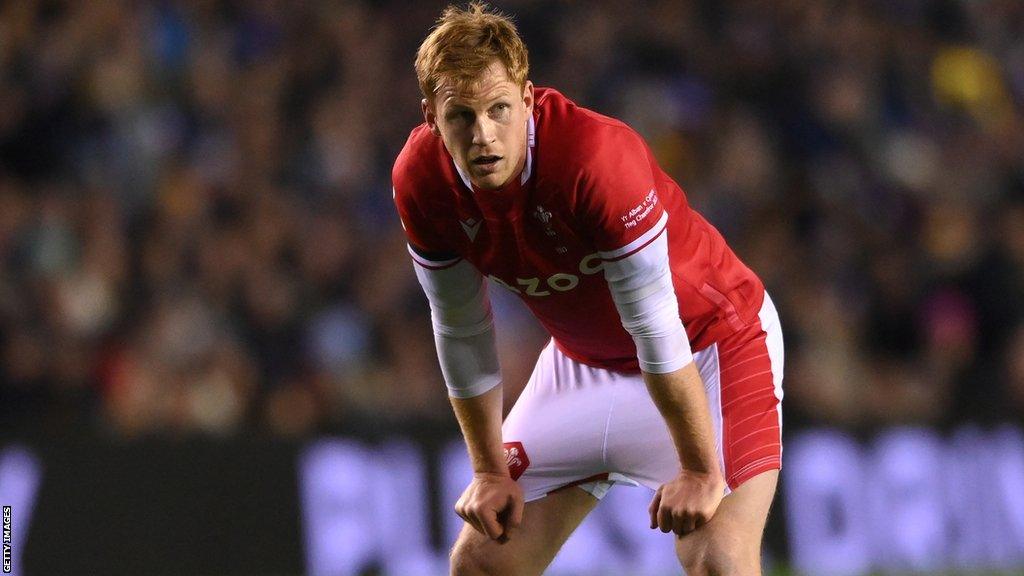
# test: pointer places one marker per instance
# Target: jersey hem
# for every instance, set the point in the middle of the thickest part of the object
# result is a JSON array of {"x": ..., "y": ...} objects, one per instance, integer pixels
[{"x": 624, "y": 365}]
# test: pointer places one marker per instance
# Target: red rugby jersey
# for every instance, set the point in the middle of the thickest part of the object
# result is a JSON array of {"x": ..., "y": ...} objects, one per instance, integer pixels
[{"x": 591, "y": 191}]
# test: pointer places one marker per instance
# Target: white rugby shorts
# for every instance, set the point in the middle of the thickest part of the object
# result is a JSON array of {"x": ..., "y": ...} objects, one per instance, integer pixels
[{"x": 576, "y": 425}]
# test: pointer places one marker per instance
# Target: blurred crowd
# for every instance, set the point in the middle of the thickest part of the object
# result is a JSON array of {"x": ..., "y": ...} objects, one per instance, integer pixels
[{"x": 197, "y": 235}]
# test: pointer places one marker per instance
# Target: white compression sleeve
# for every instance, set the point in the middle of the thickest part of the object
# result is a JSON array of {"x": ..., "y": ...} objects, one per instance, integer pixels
[
  {"x": 463, "y": 328},
  {"x": 641, "y": 285}
]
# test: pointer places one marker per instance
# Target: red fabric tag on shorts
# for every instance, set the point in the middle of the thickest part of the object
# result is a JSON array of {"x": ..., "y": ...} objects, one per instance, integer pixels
[{"x": 516, "y": 459}]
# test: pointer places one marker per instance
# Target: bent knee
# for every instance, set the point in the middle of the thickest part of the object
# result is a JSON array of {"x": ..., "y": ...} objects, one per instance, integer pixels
[{"x": 720, "y": 555}]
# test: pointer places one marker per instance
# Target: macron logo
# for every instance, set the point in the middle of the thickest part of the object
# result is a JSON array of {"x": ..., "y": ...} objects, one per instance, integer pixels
[{"x": 471, "y": 226}]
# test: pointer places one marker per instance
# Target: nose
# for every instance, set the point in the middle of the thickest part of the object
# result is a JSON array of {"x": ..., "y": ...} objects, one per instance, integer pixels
[{"x": 483, "y": 130}]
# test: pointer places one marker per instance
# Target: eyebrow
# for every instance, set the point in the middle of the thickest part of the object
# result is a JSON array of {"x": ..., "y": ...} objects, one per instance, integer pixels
[{"x": 500, "y": 93}]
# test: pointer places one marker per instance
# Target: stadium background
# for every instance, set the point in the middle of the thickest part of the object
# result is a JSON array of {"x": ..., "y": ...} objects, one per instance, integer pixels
[{"x": 215, "y": 358}]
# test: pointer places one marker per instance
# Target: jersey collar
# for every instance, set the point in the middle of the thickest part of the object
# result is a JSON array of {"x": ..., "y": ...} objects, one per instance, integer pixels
[{"x": 531, "y": 141}]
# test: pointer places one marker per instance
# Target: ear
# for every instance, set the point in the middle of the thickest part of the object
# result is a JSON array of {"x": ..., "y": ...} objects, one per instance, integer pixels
[
  {"x": 528, "y": 96},
  {"x": 430, "y": 117}
]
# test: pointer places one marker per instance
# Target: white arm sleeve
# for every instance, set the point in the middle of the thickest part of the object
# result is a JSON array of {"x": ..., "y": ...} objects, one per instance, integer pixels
[
  {"x": 463, "y": 328},
  {"x": 641, "y": 285}
]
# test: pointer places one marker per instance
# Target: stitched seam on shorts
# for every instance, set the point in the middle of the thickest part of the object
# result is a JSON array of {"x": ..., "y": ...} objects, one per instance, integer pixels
[
  {"x": 747, "y": 419},
  {"x": 742, "y": 362},
  {"x": 607, "y": 426},
  {"x": 742, "y": 398},
  {"x": 734, "y": 382},
  {"x": 772, "y": 426}
]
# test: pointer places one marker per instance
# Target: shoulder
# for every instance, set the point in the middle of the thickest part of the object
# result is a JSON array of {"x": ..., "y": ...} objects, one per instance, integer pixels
[
  {"x": 589, "y": 142},
  {"x": 416, "y": 164},
  {"x": 422, "y": 180},
  {"x": 422, "y": 172}
]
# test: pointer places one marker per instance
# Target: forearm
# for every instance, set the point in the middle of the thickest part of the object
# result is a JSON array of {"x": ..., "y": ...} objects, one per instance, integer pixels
[
  {"x": 680, "y": 399},
  {"x": 641, "y": 286},
  {"x": 464, "y": 334},
  {"x": 480, "y": 420}
]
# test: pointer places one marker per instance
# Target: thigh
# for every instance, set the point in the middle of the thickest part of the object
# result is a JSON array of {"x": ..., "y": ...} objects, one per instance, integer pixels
[
  {"x": 731, "y": 540},
  {"x": 639, "y": 445},
  {"x": 742, "y": 376},
  {"x": 750, "y": 397},
  {"x": 547, "y": 524},
  {"x": 554, "y": 435}
]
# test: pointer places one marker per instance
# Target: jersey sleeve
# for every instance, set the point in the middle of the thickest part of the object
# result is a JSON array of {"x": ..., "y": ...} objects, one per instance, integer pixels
[
  {"x": 460, "y": 310},
  {"x": 627, "y": 222},
  {"x": 426, "y": 247},
  {"x": 619, "y": 198},
  {"x": 641, "y": 287}
]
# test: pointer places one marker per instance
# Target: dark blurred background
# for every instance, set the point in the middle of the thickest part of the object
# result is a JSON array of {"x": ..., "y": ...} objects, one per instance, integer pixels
[{"x": 197, "y": 237}]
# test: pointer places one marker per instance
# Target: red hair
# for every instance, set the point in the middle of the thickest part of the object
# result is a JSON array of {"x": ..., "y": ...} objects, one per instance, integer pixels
[{"x": 464, "y": 43}]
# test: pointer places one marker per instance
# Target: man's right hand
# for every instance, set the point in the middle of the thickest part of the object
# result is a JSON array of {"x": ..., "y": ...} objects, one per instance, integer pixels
[{"x": 493, "y": 505}]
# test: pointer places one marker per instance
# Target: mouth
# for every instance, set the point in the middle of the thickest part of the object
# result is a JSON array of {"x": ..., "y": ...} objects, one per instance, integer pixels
[{"x": 486, "y": 161}]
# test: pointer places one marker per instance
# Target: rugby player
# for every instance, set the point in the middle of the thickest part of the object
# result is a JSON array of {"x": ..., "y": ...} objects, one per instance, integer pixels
[{"x": 665, "y": 364}]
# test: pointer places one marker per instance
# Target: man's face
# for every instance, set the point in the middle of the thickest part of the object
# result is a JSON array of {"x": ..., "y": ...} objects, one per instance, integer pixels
[{"x": 483, "y": 125}]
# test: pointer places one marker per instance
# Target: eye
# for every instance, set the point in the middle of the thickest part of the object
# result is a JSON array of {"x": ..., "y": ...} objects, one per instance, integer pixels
[
  {"x": 500, "y": 111},
  {"x": 459, "y": 116}
]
